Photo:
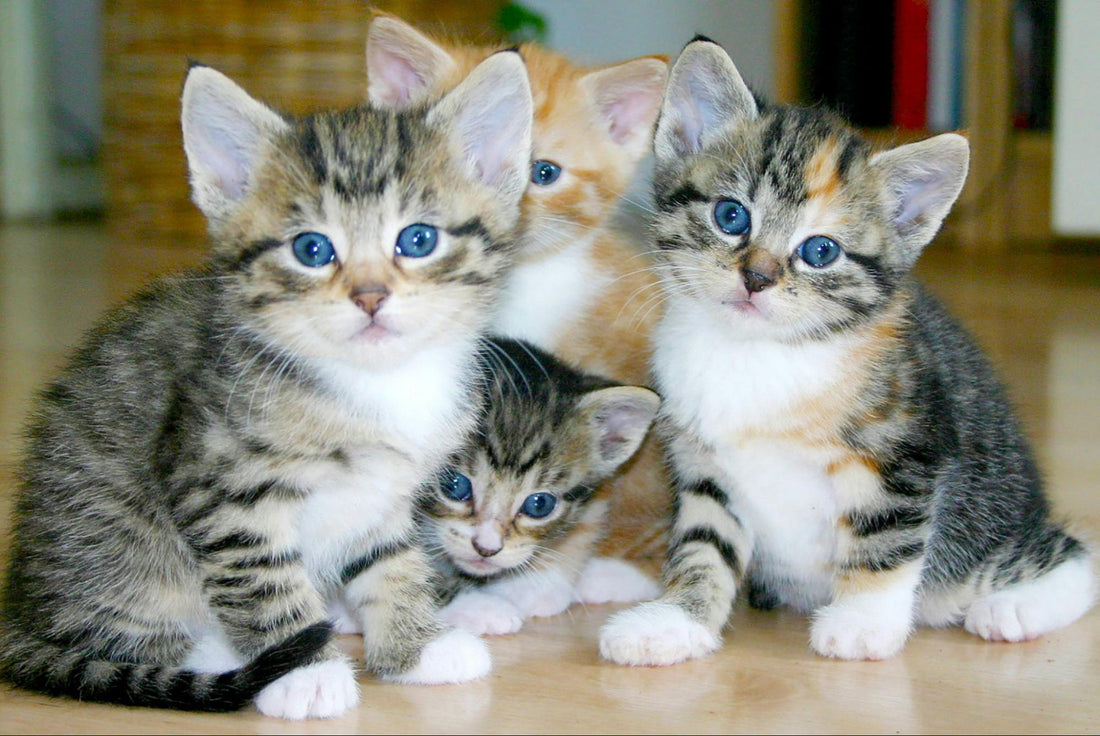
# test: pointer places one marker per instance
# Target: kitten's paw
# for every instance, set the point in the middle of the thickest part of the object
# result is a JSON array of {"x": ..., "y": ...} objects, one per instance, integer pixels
[
  {"x": 1028, "y": 610},
  {"x": 322, "y": 690},
  {"x": 455, "y": 656},
  {"x": 482, "y": 613},
  {"x": 608, "y": 580},
  {"x": 535, "y": 594},
  {"x": 655, "y": 633},
  {"x": 845, "y": 630},
  {"x": 344, "y": 620}
]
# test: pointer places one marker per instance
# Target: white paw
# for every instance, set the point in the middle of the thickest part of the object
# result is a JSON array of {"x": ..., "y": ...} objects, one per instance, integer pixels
[
  {"x": 455, "y": 656},
  {"x": 482, "y": 613},
  {"x": 655, "y": 633},
  {"x": 546, "y": 593},
  {"x": 322, "y": 690},
  {"x": 344, "y": 620},
  {"x": 1029, "y": 610},
  {"x": 607, "y": 580},
  {"x": 847, "y": 629}
]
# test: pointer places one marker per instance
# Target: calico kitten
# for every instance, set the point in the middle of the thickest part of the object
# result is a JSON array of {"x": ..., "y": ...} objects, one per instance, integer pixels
[
  {"x": 582, "y": 288},
  {"x": 239, "y": 444},
  {"x": 839, "y": 443},
  {"x": 515, "y": 517}
]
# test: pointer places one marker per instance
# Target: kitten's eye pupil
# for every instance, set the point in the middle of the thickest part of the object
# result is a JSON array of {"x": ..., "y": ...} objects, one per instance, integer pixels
[
  {"x": 313, "y": 250},
  {"x": 819, "y": 251},
  {"x": 545, "y": 172},
  {"x": 416, "y": 241},
  {"x": 732, "y": 217},
  {"x": 538, "y": 505},
  {"x": 457, "y": 486}
]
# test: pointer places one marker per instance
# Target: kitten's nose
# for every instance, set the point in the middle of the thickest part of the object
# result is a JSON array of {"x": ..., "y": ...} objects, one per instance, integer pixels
[
  {"x": 485, "y": 551},
  {"x": 370, "y": 300},
  {"x": 755, "y": 281}
]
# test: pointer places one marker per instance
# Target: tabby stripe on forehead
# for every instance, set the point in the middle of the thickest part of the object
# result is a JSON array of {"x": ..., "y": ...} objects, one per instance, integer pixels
[
  {"x": 353, "y": 569},
  {"x": 309, "y": 144},
  {"x": 708, "y": 536},
  {"x": 684, "y": 195}
]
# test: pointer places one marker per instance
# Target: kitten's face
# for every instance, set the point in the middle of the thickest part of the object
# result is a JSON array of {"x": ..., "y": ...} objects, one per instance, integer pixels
[
  {"x": 591, "y": 127},
  {"x": 781, "y": 222},
  {"x": 363, "y": 235},
  {"x": 549, "y": 436}
]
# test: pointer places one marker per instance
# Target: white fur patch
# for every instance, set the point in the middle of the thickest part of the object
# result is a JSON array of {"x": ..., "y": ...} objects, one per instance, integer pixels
[
  {"x": 482, "y": 613},
  {"x": 543, "y": 593},
  {"x": 322, "y": 690},
  {"x": 655, "y": 633},
  {"x": 1029, "y": 610},
  {"x": 344, "y": 619},
  {"x": 455, "y": 656},
  {"x": 608, "y": 580},
  {"x": 542, "y": 296},
  {"x": 212, "y": 652}
]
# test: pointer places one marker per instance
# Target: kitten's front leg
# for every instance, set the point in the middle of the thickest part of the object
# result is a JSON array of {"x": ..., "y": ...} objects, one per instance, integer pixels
[
  {"x": 881, "y": 555},
  {"x": 261, "y": 594},
  {"x": 393, "y": 588},
  {"x": 709, "y": 551}
]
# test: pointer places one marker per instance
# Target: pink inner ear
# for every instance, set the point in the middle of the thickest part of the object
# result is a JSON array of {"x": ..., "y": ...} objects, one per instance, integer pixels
[
  {"x": 628, "y": 113},
  {"x": 393, "y": 79}
]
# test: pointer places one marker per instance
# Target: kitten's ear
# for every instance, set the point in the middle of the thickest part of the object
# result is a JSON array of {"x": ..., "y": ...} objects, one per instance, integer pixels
[
  {"x": 488, "y": 118},
  {"x": 404, "y": 66},
  {"x": 617, "y": 420},
  {"x": 922, "y": 180},
  {"x": 628, "y": 96},
  {"x": 705, "y": 94},
  {"x": 224, "y": 131}
]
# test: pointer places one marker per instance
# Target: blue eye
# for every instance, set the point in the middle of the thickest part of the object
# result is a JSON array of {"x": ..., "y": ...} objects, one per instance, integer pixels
[
  {"x": 732, "y": 217},
  {"x": 313, "y": 250},
  {"x": 538, "y": 505},
  {"x": 819, "y": 251},
  {"x": 545, "y": 172},
  {"x": 416, "y": 241},
  {"x": 457, "y": 486}
]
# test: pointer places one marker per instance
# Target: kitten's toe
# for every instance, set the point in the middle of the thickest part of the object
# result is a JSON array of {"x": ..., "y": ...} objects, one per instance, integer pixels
[
  {"x": 608, "y": 580},
  {"x": 655, "y": 633},
  {"x": 321, "y": 690},
  {"x": 847, "y": 631},
  {"x": 482, "y": 613},
  {"x": 455, "y": 656}
]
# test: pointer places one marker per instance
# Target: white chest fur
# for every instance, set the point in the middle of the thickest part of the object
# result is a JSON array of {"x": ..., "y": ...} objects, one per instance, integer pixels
[
  {"x": 739, "y": 400},
  {"x": 542, "y": 297}
]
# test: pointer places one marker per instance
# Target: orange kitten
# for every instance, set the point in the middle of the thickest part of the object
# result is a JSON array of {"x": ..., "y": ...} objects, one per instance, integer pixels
[{"x": 581, "y": 289}]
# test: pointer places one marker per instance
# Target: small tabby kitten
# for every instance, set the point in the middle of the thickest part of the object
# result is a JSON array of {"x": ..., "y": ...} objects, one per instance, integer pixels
[
  {"x": 514, "y": 519},
  {"x": 839, "y": 444},
  {"x": 240, "y": 444},
  {"x": 582, "y": 289}
]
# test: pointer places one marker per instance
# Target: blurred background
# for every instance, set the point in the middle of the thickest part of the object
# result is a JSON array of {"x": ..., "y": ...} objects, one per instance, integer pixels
[{"x": 89, "y": 89}]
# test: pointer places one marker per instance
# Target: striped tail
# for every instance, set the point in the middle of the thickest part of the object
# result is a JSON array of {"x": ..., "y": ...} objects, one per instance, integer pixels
[{"x": 36, "y": 665}]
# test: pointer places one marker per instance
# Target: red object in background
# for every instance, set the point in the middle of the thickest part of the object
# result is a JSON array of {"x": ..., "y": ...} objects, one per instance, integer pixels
[{"x": 910, "y": 108}]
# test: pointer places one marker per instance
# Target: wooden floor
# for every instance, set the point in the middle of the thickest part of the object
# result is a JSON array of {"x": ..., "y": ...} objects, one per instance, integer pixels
[{"x": 1039, "y": 315}]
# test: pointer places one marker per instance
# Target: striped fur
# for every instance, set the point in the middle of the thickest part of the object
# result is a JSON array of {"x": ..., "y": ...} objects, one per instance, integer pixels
[
  {"x": 546, "y": 429},
  {"x": 583, "y": 289},
  {"x": 240, "y": 444},
  {"x": 840, "y": 444}
]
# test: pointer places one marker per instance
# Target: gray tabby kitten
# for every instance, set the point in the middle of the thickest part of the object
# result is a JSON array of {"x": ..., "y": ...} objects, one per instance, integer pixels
[
  {"x": 238, "y": 445},
  {"x": 516, "y": 516},
  {"x": 839, "y": 443}
]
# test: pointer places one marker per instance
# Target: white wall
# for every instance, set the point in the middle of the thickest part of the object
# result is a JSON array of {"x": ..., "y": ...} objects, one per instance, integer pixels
[
  {"x": 604, "y": 31},
  {"x": 1076, "y": 175}
]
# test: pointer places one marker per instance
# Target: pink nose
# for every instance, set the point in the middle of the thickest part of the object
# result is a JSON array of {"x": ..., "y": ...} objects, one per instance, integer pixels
[
  {"x": 370, "y": 300},
  {"x": 485, "y": 551}
]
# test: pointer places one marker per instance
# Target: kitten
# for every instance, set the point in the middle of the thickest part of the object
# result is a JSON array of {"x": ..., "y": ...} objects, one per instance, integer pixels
[
  {"x": 516, "y": 515},
  {"x": 582, "y": 289},
  {"x": 239, "y": 444},
  {"x": 839, "y": 444}
]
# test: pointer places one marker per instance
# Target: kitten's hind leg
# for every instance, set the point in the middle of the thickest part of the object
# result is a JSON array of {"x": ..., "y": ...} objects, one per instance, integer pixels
[{"x": 1030, "y": 609}]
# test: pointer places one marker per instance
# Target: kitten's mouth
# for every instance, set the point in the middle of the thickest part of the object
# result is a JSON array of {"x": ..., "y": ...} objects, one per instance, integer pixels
[
  {"x": 479, "y": 566},
  {"x": 743, "y": 306},
  {"x": 375, "y": 332}
]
